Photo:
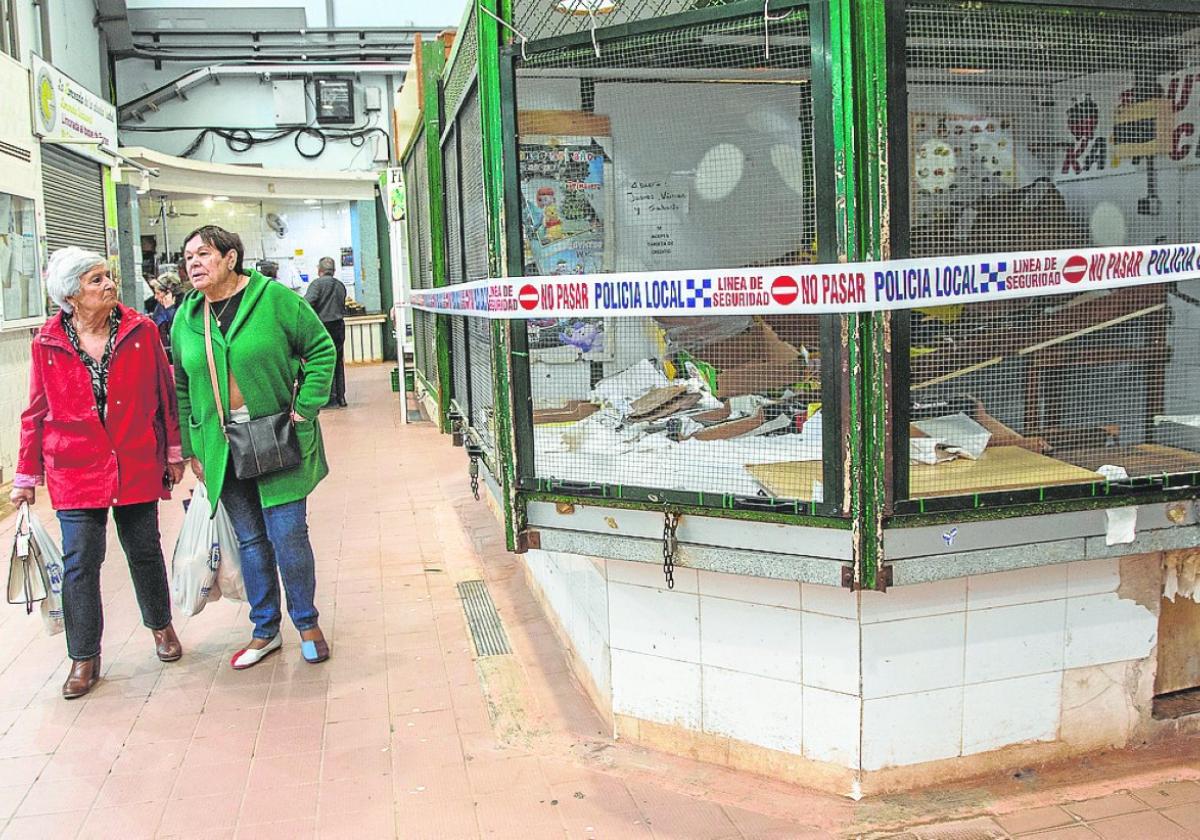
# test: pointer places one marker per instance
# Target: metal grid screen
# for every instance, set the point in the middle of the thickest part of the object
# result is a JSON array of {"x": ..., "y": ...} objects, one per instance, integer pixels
[
  {"x": 688, "y": 148},
  {"x": 537, "y": 19},
  {"x": 475, "y": 236},
  {"x": 459, "y": 75},
  {"x": 1030, "y": 129},
  {"x": 414, "y": 186},
  {"x": 455, "y": 268},
  {"x": 424, "y": 323}
]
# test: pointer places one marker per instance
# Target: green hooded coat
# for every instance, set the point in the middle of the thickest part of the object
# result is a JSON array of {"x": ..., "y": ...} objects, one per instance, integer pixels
[{"x": 273, "y": 332}]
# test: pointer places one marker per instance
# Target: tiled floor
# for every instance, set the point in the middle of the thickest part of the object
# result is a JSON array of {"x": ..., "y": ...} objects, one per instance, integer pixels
[{"x": 402, "y": 734}]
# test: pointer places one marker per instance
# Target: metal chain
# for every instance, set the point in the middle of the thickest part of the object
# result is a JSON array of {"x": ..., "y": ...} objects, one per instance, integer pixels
[
  {"x": 473, "y": 472},
  {"x": 670, "y": 544}
]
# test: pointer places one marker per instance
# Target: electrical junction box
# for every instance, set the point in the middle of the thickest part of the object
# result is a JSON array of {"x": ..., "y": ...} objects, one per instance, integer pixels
[
  {"x": 372, "y": 99},
  {"x": 290, "y": 105},
  {"x": 335, "y": 100}
]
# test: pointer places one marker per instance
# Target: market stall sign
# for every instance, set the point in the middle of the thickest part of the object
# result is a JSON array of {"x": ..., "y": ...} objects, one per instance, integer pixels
[
  {"x": 66, "y": 112},
  {"x": 817, "y": 289}
]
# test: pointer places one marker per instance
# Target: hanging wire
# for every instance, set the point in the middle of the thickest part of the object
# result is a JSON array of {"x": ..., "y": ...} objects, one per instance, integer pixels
[
  {"x": 767, "y": 19},
  {"x": 591, "y": 7},
  {"x": 511, "y": 28}
]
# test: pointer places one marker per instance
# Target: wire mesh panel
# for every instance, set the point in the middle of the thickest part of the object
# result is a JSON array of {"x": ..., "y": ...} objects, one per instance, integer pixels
[
  {"x": 455, "y": 269},
  {"x": 537, "y": 19},
  {"x": 459, "y": 76},
  {"x": 1034, "y": 128},
  {"x": 686, "y": 148},
  {"x": 414, "y": 187},
  {"x": 424, "y": 323},
  {"x": 475, "y": 238}
]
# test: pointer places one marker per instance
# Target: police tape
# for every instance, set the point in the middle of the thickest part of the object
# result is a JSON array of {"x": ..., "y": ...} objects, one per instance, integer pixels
[{"x": 816, "y": 289}]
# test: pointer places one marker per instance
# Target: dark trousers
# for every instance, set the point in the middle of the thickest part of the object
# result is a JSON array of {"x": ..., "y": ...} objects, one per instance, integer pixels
[
  {"x": 84, "y": 533},
  {"x": 337, "y": 331}
]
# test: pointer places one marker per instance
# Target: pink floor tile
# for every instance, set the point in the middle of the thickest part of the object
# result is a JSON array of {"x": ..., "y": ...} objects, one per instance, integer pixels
[
  {"x": 284, "y": 771},
  {"x": 128, "y": 822},
  {"x": 54, "y": 796},
  {"x": 191, "y": 816},
  {"x": 279, "y": 804},
  {"x": 135, "y": 788},
  {"x": 45, "y": 826}
]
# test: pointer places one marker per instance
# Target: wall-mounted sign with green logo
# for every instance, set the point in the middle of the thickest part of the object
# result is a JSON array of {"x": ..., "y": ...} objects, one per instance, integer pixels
[
  {"x": 65, "y": 111},
  {"x": 394, "y": 193}
]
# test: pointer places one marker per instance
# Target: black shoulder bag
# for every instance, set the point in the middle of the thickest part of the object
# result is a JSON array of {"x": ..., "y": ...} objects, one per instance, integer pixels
[{"x": 263, "y": 445}]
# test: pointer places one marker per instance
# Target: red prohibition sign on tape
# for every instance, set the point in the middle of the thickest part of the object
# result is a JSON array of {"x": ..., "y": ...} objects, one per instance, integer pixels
[
  {"x": 785, "y": 290},
  {"x": 1074, "y": 269},
  {"x": 528, "y": 297}
]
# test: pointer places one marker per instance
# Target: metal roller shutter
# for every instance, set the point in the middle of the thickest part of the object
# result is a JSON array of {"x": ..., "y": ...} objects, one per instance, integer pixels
[{"x": 74, "y": 201}]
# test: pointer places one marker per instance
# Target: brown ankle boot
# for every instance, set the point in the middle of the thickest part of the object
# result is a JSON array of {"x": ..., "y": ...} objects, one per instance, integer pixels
[
  {"x": 166, "y": 644},
  {"x": 85, "y": 673}
]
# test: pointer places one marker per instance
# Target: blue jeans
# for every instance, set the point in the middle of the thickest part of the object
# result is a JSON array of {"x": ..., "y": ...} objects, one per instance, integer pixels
[
  {"x": 273, "y": 543},
  {"x": 84, "y": 533}
]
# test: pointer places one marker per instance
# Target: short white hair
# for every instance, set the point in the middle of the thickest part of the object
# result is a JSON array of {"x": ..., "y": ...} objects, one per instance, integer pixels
[{"x": 65, "y": 273}]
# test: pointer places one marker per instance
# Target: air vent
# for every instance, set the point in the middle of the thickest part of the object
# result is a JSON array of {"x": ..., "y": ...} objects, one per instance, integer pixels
[
  {"x": 482, "y": 618},
  {"x": 18, "y": 152}
]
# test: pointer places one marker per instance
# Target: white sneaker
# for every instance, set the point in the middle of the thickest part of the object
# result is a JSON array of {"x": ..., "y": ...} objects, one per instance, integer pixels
[{"x": 249, "y": 657}]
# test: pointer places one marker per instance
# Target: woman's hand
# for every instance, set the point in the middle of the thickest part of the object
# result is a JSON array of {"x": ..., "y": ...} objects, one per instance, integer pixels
[
  {"x": 22, "y": 495},
  {"x": 175, "y": 473},
  {"x": 197, "y": 468},
  {"x": 297, "y": 418}
]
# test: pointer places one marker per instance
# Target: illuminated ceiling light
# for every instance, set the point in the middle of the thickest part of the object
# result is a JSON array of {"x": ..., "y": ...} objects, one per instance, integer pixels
[
  {"x": 208, "y": 203},
  {"x": 311, "y": 201},
  {"x": 220, "y": 198},
  {"x": 720, "y": 170},
  {"x": 586, "y": 7}
]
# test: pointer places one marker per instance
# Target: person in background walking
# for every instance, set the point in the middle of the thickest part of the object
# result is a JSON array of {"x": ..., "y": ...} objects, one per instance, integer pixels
[
  {"x": 270, "y": 355},
  {"x": 327, "y": 294},
  {"x": 102, "y": 431},
  {"x": 169, "y": 291},
  {"x": 268, "y": 268}
]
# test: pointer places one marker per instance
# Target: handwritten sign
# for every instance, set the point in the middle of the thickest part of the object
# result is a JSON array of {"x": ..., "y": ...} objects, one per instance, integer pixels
[{"x": 649, "y": 201}]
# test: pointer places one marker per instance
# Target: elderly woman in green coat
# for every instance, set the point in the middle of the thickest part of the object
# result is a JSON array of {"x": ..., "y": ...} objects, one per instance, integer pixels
[{"x": 265, "y": 339}]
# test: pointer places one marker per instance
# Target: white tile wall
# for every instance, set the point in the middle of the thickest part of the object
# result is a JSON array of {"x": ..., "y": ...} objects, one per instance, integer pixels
[
  {"x": 1015, "y": 641},
  {"x": 915, "y": 601},
  {"x": 829, "y": 600},
  {"x": 912, "y": 728},
  {"x": 779, "y": 593},
  {"x": 651, "y": 575},
  {"x": 753, "y": 709},
  {"x": 657, "y": 622},
  {"x": 1105, "y": 628},
  {"x": 831, "y": 727},
  {"x": 1093, "y": 577},
  {"x": 750, "y": 638},
  {"x": 1020, "y": 586},
  {"x": 830, "y": 653},
  {"x": 656, "y": 689},
  {"x": 996, "y": 714},
  {"x": 918, "y": 654}
]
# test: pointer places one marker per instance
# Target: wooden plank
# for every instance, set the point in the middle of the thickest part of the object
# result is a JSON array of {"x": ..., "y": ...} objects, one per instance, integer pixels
[{"x": 999, "y": 468}]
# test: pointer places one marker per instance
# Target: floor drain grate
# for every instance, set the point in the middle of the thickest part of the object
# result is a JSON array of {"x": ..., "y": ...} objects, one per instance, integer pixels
[{"x": 482, "y": 618}]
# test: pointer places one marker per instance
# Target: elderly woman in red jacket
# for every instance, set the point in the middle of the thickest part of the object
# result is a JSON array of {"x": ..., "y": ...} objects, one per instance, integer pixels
[{"x": 101, "y": 431}]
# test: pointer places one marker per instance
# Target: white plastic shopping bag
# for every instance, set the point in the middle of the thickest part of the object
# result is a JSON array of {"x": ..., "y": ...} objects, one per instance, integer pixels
[
  {"x": 196, "y": 559},
  {"x": 51, "y": 559},
  {"x": 229, "y": 567}
]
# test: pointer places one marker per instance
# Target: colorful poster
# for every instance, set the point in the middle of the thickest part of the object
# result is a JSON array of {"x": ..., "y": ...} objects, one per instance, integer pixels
[
  {"x": 566, "y": 201},
  {"x": 565, "y": 196}
]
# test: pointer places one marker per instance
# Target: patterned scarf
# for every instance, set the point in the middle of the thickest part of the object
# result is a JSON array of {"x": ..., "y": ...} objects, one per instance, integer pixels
[{"x": 98, "y": 370}]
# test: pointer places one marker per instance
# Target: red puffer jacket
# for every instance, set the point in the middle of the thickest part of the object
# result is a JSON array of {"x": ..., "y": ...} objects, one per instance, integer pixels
[{"x": 89, "y": 464}]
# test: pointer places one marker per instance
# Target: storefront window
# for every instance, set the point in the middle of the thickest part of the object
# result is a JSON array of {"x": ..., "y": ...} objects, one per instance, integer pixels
[
  {"x": 686, "y": 149},
  {"x": 20, "y": 272},
  {"x": 1034, "y": 129}
]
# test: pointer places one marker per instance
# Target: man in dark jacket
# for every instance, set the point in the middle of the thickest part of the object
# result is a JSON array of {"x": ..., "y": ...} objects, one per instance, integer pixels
[{"x": 327, "y": 295}]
